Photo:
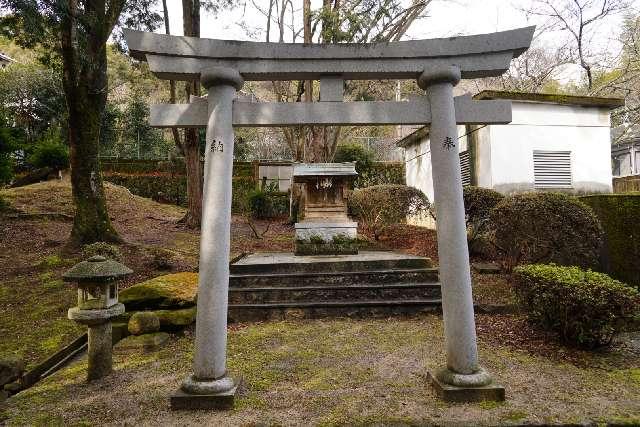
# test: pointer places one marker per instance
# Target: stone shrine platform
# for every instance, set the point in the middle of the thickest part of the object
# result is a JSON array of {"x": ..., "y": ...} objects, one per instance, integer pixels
[{"x": 271, "y": 285}]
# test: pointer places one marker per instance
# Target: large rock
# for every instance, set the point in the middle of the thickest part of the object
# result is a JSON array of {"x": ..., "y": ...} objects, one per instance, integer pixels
[
  {"x": 171, "y": 291},
  {"x": 144, "y": 322},
  {"x": 11, "y": 369},
  {"x": 176, "y": 319}
]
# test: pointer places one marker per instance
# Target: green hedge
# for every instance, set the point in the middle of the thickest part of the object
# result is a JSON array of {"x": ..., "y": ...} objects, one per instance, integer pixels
[
  {"x": 159, "y": 187},
  {"x": 173, "y": 189},
  {"x": 585, "y": 308},
  {"x": 619, "y": 215},
  {"x": 544, "y": 227},
  {"x": 177, "y": 167}
]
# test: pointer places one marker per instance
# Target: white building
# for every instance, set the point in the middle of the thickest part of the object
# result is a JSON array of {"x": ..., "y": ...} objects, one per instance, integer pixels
[{"x": 554, "y": 142}]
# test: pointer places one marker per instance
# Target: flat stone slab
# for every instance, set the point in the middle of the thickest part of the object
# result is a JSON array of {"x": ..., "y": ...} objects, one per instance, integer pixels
[
  {"x": 287, "y": 262},
  {"x": 289, "y": 257},
  {"x": 185, "y": 401},
  {"x": 486, "y": 267},
  {"x": 449, "y": 393},
  {"x": 142, "y": 343}
]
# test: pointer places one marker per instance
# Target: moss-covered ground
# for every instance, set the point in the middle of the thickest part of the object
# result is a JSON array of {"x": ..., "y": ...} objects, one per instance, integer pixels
[
  {"x": 34, "y": 229},
  {"x": 340, "y": 372}
]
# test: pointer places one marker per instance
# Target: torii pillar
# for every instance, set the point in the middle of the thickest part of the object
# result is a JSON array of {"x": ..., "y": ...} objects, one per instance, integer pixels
[
  {"x": 463, "y": 379},
  {"x": 209, "y": 387}
]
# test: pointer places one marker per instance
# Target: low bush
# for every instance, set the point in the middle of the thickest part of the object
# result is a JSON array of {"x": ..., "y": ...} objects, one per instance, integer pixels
[
  {"x": 260, "y": 206},
  {"x": 50, "y": 152},
  {"x": 544, "y": 228},
  {"x": 585, "y": 308},
  {"x": 478, "y": 203},
  {"x": 260, "y": 203},
  {"x": 379, "y": 206}
]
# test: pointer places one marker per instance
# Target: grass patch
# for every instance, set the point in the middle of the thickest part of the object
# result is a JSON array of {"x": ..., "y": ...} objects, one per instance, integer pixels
[
  {"x": 515, "y": 415},
  {"x": 52, "y": 261},
  {"x": 332, "y": 372}
]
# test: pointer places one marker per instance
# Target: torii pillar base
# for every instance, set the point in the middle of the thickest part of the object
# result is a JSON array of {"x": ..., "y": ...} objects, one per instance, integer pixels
[
  {"x": 466, "y": 394},
  {"x": 219, "y": 401}
]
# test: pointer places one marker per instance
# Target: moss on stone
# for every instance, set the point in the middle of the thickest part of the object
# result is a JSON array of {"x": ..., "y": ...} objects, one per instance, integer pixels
[
  {"x": 177, "y": 290},
  {"x": 142, "y": 343},
  {"x": 618, "y": 214},
  {"x": 171, "y": 319},
  {"x": 143, "y": 322}
]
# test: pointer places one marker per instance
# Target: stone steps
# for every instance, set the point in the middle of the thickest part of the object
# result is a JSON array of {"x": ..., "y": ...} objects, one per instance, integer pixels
[
  {"x": 353, "y": 293},
  {"x": 333, "y": 278},
  {"x": 273, "y": 263},
  {"x": 322, "y": 309},
  {"x": 372, "y": 284}
]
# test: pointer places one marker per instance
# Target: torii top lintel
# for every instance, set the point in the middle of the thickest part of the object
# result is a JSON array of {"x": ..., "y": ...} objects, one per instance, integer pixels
[{"x": 183, "y": 58}]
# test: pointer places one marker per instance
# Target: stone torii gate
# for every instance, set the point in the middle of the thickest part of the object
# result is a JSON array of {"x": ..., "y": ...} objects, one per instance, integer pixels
[{"x": 438, "y": 65}]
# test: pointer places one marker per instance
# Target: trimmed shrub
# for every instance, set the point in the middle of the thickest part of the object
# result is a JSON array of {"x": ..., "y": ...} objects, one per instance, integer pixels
[
  {"x": 382, "y": 205},
  {"x": 619, "y": 215},
  {"x": 478, "y": 203},
  {"x": 585, "y": 308},
  {"x": 350, "y": 152},
  {"x": 544, "y": 228}
]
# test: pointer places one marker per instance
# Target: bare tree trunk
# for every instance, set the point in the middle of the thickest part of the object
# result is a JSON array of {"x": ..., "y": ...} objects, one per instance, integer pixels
[
  {"x": 172, "y": 83},
  {"x": 191, "y": 144},
  {"x": 308, "y": 85}
]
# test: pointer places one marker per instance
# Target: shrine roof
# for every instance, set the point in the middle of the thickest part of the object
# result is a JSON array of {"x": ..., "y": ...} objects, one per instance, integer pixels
[{"x": 324, "y": 169}]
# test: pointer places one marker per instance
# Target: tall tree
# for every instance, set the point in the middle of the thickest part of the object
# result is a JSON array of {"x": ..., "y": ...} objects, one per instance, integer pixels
[
  {"x": 624, "y": 81},
  {"x": 76, "y": 31},
  {"x": 189, "y": 142},
  {"x": 336, "y": 21},
  {"x": 578, "y": 19}
]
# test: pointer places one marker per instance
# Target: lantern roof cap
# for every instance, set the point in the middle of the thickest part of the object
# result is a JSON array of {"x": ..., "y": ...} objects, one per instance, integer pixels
[{"x": 97, "y": 269}]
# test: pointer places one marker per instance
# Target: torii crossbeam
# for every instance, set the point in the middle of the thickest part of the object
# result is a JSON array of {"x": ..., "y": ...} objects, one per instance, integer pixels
[{"x": 438, "y": 65}]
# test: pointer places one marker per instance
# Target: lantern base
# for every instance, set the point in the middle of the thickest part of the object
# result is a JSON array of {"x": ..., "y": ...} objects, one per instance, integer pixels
[{"x": 466, "y": 393}]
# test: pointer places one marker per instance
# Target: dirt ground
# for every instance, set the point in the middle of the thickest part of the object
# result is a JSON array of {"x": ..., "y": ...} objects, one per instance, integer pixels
[
  {"x": 33, "y": 298},
  {"x": 344, "y": 372}
]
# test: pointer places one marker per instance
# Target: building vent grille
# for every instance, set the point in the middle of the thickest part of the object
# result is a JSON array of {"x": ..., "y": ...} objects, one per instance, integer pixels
[
  {"x": 552, "y": 169},
  {"x": 465, "y": 168}
]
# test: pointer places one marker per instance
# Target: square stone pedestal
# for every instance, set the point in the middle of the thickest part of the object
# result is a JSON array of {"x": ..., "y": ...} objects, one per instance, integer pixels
[
  {"x": 221, "y": 401},
  {"x": 449, "y": 393},
  {"x": 326, "y": 230}
]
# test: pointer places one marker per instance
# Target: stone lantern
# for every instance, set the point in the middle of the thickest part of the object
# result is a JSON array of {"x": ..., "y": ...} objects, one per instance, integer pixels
[{"x": 97, "y": 305}]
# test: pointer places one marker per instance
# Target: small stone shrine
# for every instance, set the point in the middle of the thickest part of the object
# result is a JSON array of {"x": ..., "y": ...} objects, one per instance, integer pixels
[{"x": 325, "y": 228}]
